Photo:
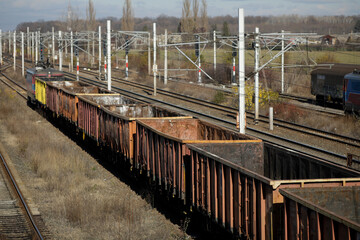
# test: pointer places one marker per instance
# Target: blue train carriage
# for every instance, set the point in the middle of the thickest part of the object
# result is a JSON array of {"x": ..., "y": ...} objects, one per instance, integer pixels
[
  {"x": 352, "y": 92},
  {"x": 327, "y": 82},
  {"x": 36, "y": 79}
]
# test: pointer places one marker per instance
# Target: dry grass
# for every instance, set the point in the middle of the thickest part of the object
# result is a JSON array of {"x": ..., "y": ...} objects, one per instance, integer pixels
[
  {"x": 76, "y": 199},
  {"x": 343, "y": 125}
]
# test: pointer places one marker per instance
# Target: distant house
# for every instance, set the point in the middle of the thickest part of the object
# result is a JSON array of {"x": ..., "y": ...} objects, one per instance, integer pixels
[
  {"x": 328, "y": 40},
  {"x": 353, "y": 39}
]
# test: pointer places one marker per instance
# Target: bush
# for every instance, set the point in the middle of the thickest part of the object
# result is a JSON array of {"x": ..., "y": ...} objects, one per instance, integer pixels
[
  {"x": 219, "y": 97},
  {"x": 326, "y": 57}
]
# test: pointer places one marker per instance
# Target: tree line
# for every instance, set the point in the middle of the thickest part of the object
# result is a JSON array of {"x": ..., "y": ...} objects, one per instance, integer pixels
[{"x": 194, "y": 19}]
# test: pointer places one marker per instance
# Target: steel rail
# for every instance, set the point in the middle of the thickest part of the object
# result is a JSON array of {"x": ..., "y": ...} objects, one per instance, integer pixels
[{"x": 20, "y": 196}]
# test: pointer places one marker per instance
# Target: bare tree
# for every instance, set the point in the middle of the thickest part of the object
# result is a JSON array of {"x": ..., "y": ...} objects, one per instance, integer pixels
[
  {"x": 195, "y": 15},
  {"x": 186, "y": 18},
  {"x": 73, "y": 21},
  {"x": 90, "y": 16},
  {"x": 127, "y": 20},
  {"x": 204, "y": 21}
]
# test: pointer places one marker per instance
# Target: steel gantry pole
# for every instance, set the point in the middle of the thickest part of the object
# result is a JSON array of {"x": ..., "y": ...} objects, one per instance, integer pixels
[
  {"x": 257, "y": 48},
  {"x": 165, "y": 60},
  {"x": 71, "y": 52},
  {"x": 116, "y": 48},
  {"x": 241, "y": 46},
  {"x": 53, "y": 45},
  {"x": 28, "y": 42},
  {"x": 60, "y": 51},
  {"x": 99, "y": 52},
  {"x": 22, "y": 53},
  {"x": 149, "y": 55},
  {"x": 93, "y": 50},
  {"x": 32, "y": 46},
  {"x": 1, "y": 58},
  {"x": 9, "y": 42},
  {"x": 282, "y": 61},
  {"x": 154, "y": 66},
  {"x": 36, "y": 47},
  {"x": 14, "y": 55},
  {"x": 109, "y": 53},
  {"x": 214, "y": 51}
]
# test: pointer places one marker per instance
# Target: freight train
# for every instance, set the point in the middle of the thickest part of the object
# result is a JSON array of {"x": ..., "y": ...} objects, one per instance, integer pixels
[
  {"x": 44, "y": 71},
  {"x": 228, "y": 178},
  {"x": 340, "y": 85}
]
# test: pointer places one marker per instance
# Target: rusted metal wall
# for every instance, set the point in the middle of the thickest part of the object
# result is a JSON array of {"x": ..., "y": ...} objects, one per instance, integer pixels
[
  {"x": 162, "y": 158},
  {"x": 239, "y": 202},
  {"x": 118, "y": 125},
  {"x": 52, "y": 98},
  {"x": 239, "y": 196},
  {"x": 89, "y": 108},
  {"x": 68, "y": 105},
  {"x": 161, "y": 147},
  {"x": 281, "y": 164},
  {"x": 88, "y": 118},
  {"x": 316, "y": 213}
]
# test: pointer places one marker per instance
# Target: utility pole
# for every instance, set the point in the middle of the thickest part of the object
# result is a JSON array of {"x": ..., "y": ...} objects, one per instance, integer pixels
[
  {"x": 32, "y": 46},
  {"x": 28, "y": 42},
  {"x": 22, "y": 53},
  {"x": 116, "y": 54},
  {"x": 149, "y": 55},
  {"x": 93, "y": 49},
  {"x": 241, "y": 46},
  {"x": 36, "y": 48},
  {"x": 77, "y": 63},
  {"x": 109, "y": 53},
  {"x": 165, "y": 60},
  {"x": 71, "y": 52},
  {"x": 257, "y": 48},
  {"x": 1, "y": 59},
  {"x": 14, "y": 50},
  {"x": 282, "y": 61},
  {"x": 215, "y": 51},
  {"x": 154, "y": 66},
  {"x": 99, "y": 53},
  {"x": 53, "y": 45},
  {"x": 60, "y": 51},
  {"x": 9, "y": 42},
  {"x": 88, "y": 47}
]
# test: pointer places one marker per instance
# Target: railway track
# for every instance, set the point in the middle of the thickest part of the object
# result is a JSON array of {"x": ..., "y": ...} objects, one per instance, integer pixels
[
  {"x": 292, "y": 145},
  {"x": 16, "y": 220},
  {"x": 19, "y": 89},
  {"x": 228, "y": 121},
  {"x": 233, "y": 111}
]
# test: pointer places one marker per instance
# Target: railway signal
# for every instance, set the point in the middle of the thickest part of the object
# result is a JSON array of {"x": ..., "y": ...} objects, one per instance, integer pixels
[
  {"x": 127, "y": 48},
  {"x": 234, "y": 49},
  {"x": 41, "y": 50},
  {"x": 234, "y": 54},
  {"x": 77, "y": 62},
  {"x": 197, "y": 46},
  {"x": 104, "y": 47}
]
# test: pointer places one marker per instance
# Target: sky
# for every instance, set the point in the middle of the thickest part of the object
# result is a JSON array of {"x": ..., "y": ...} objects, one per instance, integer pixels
[{"x": 13, "y": 12}]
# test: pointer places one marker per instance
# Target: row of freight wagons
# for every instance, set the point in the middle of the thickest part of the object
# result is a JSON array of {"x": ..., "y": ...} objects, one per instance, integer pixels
[{"x": 221, "y": 173}]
